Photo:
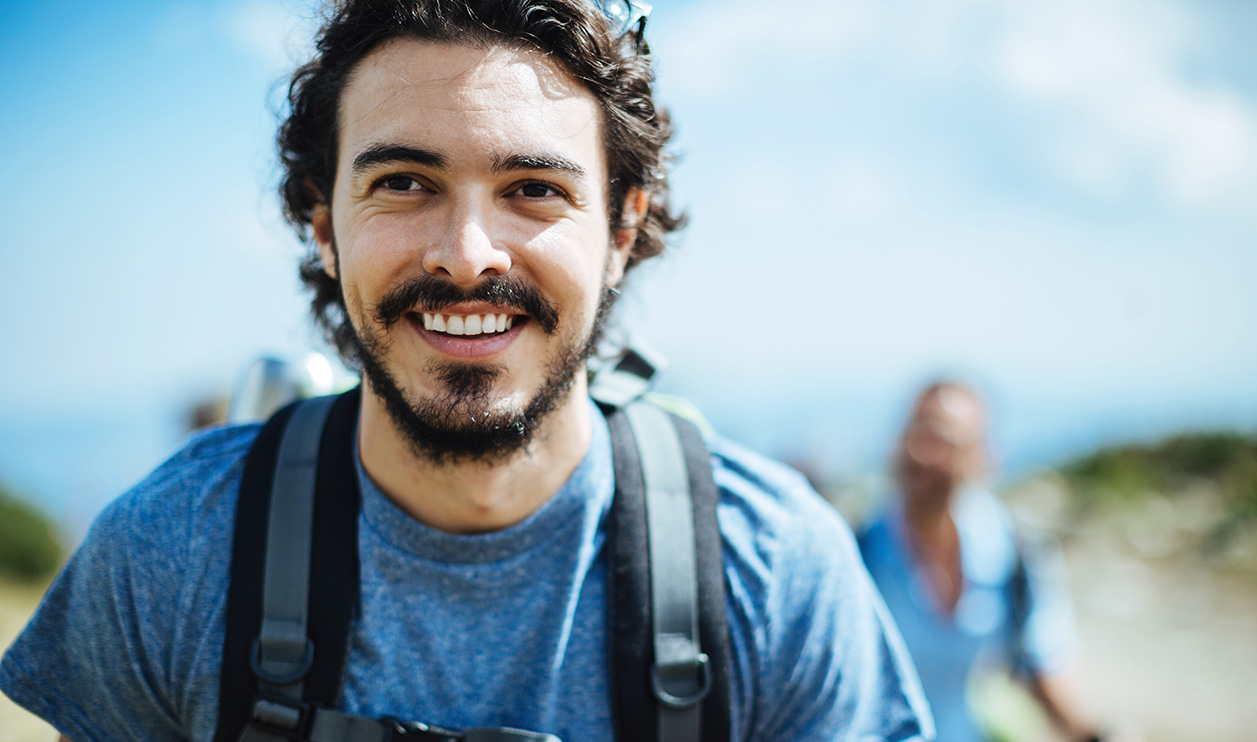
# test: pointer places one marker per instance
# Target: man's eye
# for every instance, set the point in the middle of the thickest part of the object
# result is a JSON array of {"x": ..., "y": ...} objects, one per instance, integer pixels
[
  {"x": 400, "y": 183},
  {"x": 537, "y": 190}
]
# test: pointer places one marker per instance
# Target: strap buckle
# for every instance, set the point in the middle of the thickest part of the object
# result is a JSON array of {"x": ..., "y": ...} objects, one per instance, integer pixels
[
  {"x": 255, "y": 664},
  {"x": 673, "y": 701},
  {"x": 285, "y": 717},
  {"x": 417, "y": 731}
]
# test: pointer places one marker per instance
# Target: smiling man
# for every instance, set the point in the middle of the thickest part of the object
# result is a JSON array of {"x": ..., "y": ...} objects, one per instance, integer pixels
[
  {"x": 472, "y": 251},
  {"x": 475, "y": 178}
]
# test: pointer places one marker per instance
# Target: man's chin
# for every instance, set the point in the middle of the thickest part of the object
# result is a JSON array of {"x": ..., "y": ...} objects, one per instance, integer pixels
[
  {"x": 469, "y": 420},
  {"x": 454, "y": 429}
]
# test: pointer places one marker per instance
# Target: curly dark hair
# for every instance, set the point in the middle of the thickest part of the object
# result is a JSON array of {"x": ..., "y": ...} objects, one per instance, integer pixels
[{"x": 617, "y": 71}]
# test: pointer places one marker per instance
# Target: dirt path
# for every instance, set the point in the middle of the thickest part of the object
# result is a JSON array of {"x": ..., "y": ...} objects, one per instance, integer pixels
[{"x": 1168, "y": 643}]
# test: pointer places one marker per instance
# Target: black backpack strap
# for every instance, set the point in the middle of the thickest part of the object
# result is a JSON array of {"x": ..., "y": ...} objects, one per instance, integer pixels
[
  {"x": 282, "y": 654},
  {"x": 313, "y": 442},
  {"x": 669, "y": 632},
  {"x": 1019, "y": 608}
]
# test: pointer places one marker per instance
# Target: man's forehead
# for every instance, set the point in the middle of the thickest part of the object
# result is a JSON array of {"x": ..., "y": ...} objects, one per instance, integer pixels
[
  {"x": 407, "y": 77},
  {"x": 951, "y": 406}
]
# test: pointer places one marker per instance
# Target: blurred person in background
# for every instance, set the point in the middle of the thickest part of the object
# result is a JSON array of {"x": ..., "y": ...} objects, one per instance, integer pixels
[
  {"x": 474, "y": 178},
  {"x": 969, "y": 592}
]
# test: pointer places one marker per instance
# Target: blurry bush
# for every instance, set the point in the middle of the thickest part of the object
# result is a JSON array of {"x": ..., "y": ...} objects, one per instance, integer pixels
[
  {"x": 1223, "y": 465},
  {"x": 29, "y": 547}
]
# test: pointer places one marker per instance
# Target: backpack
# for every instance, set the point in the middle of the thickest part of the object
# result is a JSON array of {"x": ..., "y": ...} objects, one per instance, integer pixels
[{"x": 286, "y": 644}]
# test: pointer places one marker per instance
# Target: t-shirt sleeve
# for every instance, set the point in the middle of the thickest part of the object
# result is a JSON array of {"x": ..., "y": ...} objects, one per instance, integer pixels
[
  {"x": 826, "y": 662},
  {"x": 87, "y": 662}
]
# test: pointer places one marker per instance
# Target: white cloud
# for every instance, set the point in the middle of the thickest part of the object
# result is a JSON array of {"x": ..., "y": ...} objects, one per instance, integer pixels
[
  {"x": 1108, "y": 76},
  {"x": 712, "y": 48},
  {"x": 277, "y": 33},
  {"x": 1112, "y": 71}
]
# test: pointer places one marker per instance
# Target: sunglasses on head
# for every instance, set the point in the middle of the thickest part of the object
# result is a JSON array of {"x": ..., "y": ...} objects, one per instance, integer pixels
[{"x": 625, "y": 17}]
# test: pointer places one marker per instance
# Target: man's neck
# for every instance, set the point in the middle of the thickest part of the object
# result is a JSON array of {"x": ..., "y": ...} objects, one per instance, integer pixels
[
  {"x": 936, "y": 545},
  {"x": 928, "y": 510},
  {"x": 475, "y": 497}
]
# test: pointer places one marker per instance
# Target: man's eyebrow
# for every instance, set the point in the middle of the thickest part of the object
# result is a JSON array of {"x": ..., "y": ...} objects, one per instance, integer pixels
[
  {"x": 388, "y": 153},
  {"x": 537, "y": 162}
]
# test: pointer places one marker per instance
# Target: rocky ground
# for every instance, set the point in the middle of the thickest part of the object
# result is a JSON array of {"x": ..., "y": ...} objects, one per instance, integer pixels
[{"x": 1169, "y": 629}]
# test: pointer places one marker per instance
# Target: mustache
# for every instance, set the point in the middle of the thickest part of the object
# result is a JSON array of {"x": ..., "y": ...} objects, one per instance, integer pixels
[{"x": 428, "y": 293}]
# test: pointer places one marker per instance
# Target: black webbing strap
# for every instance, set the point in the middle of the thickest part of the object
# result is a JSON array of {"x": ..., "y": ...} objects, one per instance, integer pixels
[
  {"x": 680, "y": 677},
  {"x": 283, "y": 653},
  {"x": 713, "y": 621},
  {"x": 334, "y": 567},
  {"x": 633, "y": 635},
  {"x": 1019, "y": 611}
]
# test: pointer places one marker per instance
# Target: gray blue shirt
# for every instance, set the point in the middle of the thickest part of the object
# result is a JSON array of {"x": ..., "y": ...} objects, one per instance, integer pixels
[
  {"x": 501, "y": 629},
  {"x": 981, "y": 633}
]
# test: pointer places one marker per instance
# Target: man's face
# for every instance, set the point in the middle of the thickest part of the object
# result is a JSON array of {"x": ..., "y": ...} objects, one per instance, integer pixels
[
  {"x": 468, "y": 230},
  {"x": 942, "y": 447}
]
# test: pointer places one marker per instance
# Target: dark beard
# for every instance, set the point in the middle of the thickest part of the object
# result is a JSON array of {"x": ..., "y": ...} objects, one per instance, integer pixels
[{"x": 457, "y": 426}]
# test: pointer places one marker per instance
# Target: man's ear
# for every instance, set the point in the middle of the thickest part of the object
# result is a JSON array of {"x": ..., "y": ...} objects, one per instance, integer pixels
[
  {"x": 636, "y": 204},
  {"x": 321, "y": 226}
]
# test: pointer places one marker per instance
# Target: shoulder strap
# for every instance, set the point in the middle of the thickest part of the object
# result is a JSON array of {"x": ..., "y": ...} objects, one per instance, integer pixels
[
  {"x": 1018, "y": 607},
  {"x": 305, "y": 443},
  {"x": 670, "y": 645}
]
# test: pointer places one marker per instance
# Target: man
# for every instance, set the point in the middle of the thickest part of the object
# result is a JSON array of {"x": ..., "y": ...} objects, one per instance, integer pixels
[
  {"x": 962, "y": 588},
  {"x": 477, "y": 176}
]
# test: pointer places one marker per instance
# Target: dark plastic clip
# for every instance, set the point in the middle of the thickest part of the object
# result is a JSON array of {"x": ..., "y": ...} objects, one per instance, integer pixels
[
  {"x": 285, "y": 717},
  {"x": 682, "y": 702},
  {"x": 417, "y": 731},
  {"x": 255, "y": 664}
]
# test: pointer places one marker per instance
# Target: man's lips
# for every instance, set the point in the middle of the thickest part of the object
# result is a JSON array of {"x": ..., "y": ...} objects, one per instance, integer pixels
[{"x": 468, "y": 335}]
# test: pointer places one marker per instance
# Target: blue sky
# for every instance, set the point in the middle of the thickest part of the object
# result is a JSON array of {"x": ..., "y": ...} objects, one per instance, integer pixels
[{"x": 1056, "y": 200}]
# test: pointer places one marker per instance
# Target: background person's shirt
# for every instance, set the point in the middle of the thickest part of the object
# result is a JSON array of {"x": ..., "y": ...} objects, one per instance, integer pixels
[
  {"x": 980, "y": 633},
  {"x": 506, "y": 628}
]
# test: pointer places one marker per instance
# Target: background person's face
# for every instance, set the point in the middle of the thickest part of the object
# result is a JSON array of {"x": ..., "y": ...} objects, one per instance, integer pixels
[{"x": 942, "y": 445}]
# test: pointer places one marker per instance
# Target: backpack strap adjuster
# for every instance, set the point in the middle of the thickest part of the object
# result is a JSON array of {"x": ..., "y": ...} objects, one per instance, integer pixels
[
  {"x": 674, "y": 701},
  {"x": 417, "y": 731},
  {"x": 276, "y": 679},
  {"x": 285, "y": 717}
]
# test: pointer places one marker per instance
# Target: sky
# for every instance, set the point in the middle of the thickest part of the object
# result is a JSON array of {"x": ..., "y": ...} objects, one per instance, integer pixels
[{"x": 1055, "y": 201}]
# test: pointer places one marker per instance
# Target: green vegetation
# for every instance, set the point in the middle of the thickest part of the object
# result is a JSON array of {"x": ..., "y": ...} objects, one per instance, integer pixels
[
  {"x": 29, "y": 547},
  {"x": 1226, "y": 462}
]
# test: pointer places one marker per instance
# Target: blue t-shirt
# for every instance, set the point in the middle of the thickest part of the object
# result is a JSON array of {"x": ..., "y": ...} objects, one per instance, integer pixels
[
  {"x": 501, "y": 629},
  {"x": 980, "y": 632}
]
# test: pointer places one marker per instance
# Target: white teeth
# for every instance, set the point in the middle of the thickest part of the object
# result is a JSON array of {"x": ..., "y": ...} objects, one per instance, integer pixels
[{"x": 471, "y": 324}]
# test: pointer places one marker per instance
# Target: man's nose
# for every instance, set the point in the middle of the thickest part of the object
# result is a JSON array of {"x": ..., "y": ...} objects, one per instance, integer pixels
[
  {"x": 926, "y": 447},
  {"x": 466, "y": 251}
]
